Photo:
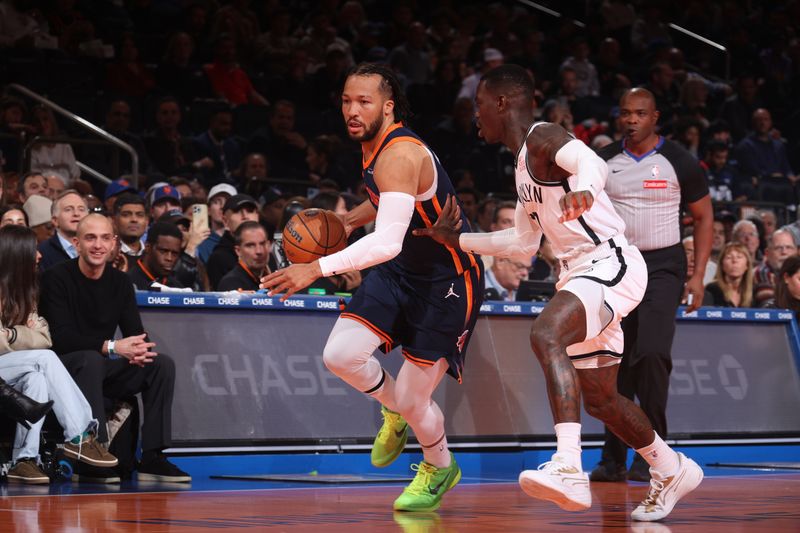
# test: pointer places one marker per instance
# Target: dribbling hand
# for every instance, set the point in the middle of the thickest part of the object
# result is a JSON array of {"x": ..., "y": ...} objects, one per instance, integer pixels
[
  {"x": 291, "y": 279},
  {"x": 573, "y": 204},
  {"x": 447, "y": 228}
]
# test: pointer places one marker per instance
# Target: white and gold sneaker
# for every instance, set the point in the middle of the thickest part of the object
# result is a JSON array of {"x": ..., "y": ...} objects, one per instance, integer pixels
[
  {"x": 560, "y": 483},
  {"x": 664, "y": 492}
]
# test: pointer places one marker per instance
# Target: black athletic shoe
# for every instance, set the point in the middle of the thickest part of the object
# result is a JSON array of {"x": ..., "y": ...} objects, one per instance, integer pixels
[
  {"x": 85, "y": 473},
  {"x": 610, "y": 472},
  {"x": 639, "y": 470},
  {"x": 160, "y": 469}
]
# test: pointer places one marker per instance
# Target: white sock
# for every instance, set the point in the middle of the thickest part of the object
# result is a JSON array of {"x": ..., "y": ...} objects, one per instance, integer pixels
[
  {"x": 437, "y": 453},
  {"x": 661, "y": 458},
  {"x": 569, "y": 443}
]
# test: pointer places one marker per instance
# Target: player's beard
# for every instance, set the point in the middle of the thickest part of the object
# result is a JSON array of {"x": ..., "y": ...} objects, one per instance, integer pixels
[{"x": 370, "y": 132}]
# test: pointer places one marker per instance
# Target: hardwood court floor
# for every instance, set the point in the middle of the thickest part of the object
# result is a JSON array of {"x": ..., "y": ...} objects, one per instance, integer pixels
[{"x": 755, "y": 503}]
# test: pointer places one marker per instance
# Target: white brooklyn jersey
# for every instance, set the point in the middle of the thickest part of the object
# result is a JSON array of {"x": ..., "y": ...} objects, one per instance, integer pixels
[{"x": 572, "y": 238}]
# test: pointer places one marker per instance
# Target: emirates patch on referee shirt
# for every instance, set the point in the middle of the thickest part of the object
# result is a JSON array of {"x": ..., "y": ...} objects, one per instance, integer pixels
[{"x": 655, "y": 184}]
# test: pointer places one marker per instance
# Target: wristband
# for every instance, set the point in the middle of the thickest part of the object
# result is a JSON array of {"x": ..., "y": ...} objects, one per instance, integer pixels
[{"x": 111, "y": 347}]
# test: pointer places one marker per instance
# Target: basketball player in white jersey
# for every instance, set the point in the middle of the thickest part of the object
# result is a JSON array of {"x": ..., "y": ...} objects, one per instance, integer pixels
[{"x": 577, "y": 338}]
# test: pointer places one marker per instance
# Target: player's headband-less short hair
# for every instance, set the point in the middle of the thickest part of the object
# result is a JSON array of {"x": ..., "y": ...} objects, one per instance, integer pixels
[
  {"x": 509, "y": 80},
  {"x": 390, "y": 86}
]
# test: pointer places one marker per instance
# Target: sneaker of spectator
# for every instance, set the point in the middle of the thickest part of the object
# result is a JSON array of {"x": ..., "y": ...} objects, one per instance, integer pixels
[
  {"x": 84, "y": 473},
  {"x": 156, "y": 467},
  {"x": 27, "y": 471}
]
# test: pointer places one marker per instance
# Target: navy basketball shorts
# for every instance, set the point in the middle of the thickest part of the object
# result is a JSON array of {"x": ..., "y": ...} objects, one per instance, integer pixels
[{"x": 429, "y": 319}]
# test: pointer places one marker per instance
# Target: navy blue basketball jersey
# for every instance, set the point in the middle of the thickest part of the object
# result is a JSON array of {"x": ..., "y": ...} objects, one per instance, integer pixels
[{"x": 422, "y": 257}]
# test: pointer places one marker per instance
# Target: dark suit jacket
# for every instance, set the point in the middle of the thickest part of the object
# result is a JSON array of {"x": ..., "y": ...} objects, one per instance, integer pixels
[{"x": 52, "y": 253}]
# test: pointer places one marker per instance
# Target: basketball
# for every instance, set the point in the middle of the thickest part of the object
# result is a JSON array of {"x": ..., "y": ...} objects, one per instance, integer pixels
[{"x": 311, "y": 234}]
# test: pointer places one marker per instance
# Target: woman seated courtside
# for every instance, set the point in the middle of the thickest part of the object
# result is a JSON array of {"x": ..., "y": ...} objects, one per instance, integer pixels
[
  {"x": 31, "y": 368},
  {"x": 787, "y": 286},
  {"x": 733, "y": 283}
]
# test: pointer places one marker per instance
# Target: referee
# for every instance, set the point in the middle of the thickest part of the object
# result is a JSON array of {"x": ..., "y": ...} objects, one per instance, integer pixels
[{"x": 649, "y": 177}]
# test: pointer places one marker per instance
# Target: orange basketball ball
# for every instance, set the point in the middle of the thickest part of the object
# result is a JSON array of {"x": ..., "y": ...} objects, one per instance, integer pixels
[{"x": 311, "y": 234}]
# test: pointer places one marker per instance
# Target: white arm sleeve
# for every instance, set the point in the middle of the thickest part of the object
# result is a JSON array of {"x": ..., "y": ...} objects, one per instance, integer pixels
[
  {"x": 395, "y": 210},
  {"x": 577, "y": 158},
  {"x": 521, "y": 240}
]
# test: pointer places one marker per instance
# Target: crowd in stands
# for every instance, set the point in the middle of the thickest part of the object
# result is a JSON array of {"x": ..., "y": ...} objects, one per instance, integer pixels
[{"x": 232, "y": 109}]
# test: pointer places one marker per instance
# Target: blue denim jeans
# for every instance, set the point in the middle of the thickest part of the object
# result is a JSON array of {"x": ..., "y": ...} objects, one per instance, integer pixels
[{"x": 40, "y": 375}]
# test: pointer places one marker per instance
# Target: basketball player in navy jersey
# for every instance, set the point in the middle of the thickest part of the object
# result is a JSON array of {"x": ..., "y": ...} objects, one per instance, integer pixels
[
  {"x": 420, "y": 294},
  {"x": 577, "y": 338}
]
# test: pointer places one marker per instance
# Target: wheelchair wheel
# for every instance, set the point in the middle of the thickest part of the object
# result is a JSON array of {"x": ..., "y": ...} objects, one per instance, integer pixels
[{"x": 64, "y": 469}]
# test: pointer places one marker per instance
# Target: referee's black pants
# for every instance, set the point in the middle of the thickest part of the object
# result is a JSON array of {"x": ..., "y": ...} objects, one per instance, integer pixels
[
  {"x": 647, "y": 357},
  {"x": 99, "y": 377}
]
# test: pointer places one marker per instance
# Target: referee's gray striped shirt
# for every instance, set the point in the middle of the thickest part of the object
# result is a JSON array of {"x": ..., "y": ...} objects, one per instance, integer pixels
[{"x": 647, "y": 191}]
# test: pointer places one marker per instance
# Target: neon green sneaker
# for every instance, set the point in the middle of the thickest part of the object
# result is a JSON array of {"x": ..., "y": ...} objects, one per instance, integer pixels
[
  {"x": 391, "y": 439},
  {"x": 426, "y": 491},
  {"x": 422, "y": 522}
]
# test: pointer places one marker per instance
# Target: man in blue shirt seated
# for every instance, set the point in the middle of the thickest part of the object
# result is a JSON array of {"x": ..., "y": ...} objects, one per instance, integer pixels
[{"x": 68, "y": 210}]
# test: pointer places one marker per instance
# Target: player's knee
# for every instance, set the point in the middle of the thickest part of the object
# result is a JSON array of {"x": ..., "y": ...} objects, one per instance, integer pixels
[
  {"x": 599, "y": 404},
  {"x": 335, "y": 358},
  {"x": 412, "y": 406}
]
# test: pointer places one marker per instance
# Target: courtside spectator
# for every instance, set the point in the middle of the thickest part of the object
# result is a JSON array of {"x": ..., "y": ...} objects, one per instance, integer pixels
[
  {"x": 217, "y": 197},
  {"x": 27, "y": 362},
  {"x": 67, "y": 211},
  {"x": 38, "y": 208},
  {"x": 238, "y": 209},
  {"x": 253, "y": 245},
  {"x": 130, "y": 220},
  {"x": 114, "y": 190},
  {"x": 711, "y": 266},
  {"x": 746, "y": 233},
  {"x": 52, "y": 156},
  {"x": 733, "y": 285},
  {"x": 764, "y": 159},
  {"x": 787, "y": 288},
  {"x": 780, "y": 246},
  {"x": 163, "y": 199},
  {"x": 112, "y": 161},
  {"x": 227, "y": 78},
  {"x": 169, "y": 151},
  {"x": 13, "y": 215},
  {"x": 218, "y": 148},
  {"x": 85, "y": 301},
  {"x": 30, "y": 184},
  {"x": 283, "y": 145},
  {"x": 55, "y": 184},
  {"x": 504, "y": 277},
  {"x": 157, "y": 263},
  {"x": 189, "y": 271},
  {"x": 469, "y": 200}
]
